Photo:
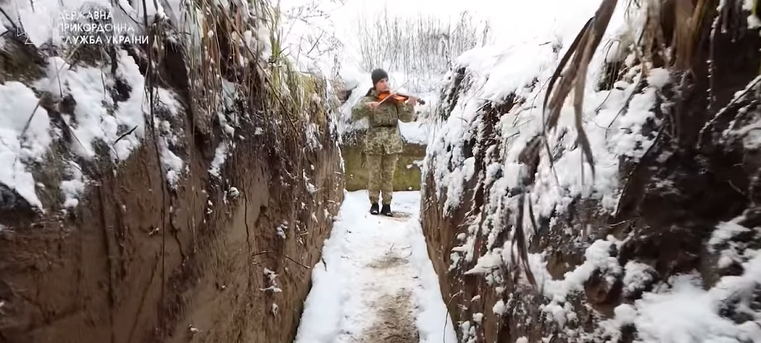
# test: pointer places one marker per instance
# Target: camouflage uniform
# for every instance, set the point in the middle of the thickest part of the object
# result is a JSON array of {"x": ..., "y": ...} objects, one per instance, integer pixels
[{"x": 383, "y": 142}]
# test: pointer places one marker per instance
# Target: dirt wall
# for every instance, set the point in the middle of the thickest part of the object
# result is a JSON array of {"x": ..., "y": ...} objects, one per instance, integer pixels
[
  {"x": 116, "y": 271},
  {"x": 137, "y": 261},
  {"x": 696, "y": 175}
]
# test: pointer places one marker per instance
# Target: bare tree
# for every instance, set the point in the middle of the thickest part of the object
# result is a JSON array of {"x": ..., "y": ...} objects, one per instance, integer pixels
[
  {"x": 310, "y": 34},
  {"x": 422, "y": 46}
]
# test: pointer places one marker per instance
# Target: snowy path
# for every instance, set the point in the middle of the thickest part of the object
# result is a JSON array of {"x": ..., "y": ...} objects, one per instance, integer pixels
[{"x": 376, "y": 283}]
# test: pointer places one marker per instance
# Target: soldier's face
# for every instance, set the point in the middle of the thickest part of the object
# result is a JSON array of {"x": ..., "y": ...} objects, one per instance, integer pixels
[{"x": 382, "y": 86}]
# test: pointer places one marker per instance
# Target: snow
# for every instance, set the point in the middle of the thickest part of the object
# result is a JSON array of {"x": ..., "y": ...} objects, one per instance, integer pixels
[
  {"x": 523, "y": 67},
  {"x": 96, "y": 118},
  {"x": 687, "y": 312},
  {"x": 18, "y": 105},
  {"x": 681, "y": 311},
  {"x": 272, "y": 278},
  {"x": 220, "y": 154},
  {"x": 659, "y": 77},
  {"x": 493, "y": 74},
  {"x": 172, "y": 164},
  {"x": 499, "y": 307},
  {"x": 92, "y": 120},
  {"x": 366, "y": 258},
  {"x": 516, "y": 72},
  {"x": 73, "y": 187},
  {"x": 636, "y": 275},
  {"x": 414, "y": 132}
]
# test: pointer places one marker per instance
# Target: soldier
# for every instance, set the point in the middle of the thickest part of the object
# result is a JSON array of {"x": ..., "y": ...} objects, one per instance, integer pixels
[{"x": 383, "y": 142}]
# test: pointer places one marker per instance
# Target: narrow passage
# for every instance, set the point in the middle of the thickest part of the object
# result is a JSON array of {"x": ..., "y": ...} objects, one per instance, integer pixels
[{"x": 376, "y": 282}]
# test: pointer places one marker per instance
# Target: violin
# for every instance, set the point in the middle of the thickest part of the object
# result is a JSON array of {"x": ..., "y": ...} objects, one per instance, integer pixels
[{"x": 397, "y": 97}]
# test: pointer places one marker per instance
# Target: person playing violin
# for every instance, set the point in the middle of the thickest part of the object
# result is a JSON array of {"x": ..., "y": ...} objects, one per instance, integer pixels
[{"x": 383, "y": 142}]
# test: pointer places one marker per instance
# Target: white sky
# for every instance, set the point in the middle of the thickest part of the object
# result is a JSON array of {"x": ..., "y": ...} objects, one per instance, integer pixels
[
  {"x": 506, "y": 16},
  {"x": 346, "y": 16},
  {"x": 511, "y": 20}
]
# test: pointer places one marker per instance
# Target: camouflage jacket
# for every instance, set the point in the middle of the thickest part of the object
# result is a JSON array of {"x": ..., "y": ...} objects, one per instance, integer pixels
[{"x": 383, "y": 135}]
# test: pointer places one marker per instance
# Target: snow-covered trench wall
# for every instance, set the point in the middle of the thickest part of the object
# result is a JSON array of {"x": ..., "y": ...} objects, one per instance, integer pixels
[
  {"x": 660, "y": 246},
  {"x": 176, "y": 188}
]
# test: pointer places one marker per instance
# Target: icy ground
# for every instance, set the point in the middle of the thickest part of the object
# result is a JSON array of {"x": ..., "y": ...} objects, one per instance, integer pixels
[{"x": 376, "y": 282}]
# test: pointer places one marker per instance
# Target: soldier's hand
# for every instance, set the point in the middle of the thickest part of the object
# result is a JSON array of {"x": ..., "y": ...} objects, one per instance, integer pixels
[
  {"x": 412, "y": 101},
  {"x": 373, "y": 105}
]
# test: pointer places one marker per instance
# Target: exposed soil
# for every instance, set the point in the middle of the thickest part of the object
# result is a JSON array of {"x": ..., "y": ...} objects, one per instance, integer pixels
[
  {"x": 389, "y": 260},
  {"x": 396, "y": 316},
  {"x": 396, "y": 321},
  {"x": 711, "y": 178},
  {"x": 399, "y": 216},
  {"x": 374, "y": 289},
  {"x": 138, "y": 262},
  {"x": 116, "y": 273}
]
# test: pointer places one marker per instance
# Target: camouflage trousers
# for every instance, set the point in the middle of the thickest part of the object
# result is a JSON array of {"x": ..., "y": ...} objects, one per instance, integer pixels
[{"x": 380, "y": 174}]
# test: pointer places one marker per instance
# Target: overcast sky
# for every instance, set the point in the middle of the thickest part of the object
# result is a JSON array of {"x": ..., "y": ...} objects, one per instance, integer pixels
[
  {"x": 507, "y": 16},
  {"x": 511, "y": 20},
  {"x": 345, "y": 16}
]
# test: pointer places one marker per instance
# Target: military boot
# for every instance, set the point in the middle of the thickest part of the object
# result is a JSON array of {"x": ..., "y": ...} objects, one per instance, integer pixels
[
  {"x": 386, "y": 210},
  {"x": 374, "y": 208}
]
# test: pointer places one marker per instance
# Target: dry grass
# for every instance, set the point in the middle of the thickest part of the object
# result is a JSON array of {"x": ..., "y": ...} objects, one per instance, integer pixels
[
  {"x": 570, "y": 75},
  {"x": 573, "y": 76},
  {"x": 272, "y": 85},
  {"x": 674, "y": 52}
]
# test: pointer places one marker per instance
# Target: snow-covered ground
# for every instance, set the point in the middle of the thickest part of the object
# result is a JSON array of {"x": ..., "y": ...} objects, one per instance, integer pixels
[{"x": 375, "y": 280}]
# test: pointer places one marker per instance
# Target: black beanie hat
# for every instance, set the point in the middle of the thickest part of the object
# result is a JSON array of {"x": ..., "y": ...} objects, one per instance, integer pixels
[{"x": 377, "y": 75}]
